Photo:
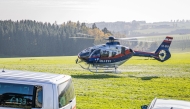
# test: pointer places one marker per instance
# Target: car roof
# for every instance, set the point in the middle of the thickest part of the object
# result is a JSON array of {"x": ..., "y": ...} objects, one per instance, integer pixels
[
  {"x": 170, "y": 104},
  {"x": 31, "y": 76}
]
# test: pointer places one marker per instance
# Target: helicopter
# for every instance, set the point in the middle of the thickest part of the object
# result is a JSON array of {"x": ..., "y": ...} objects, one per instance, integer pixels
[{"x": 112, "y": 54}]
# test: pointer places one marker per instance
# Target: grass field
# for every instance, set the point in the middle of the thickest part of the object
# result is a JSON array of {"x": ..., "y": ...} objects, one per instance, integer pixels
[{"x": 140, "y": 80}]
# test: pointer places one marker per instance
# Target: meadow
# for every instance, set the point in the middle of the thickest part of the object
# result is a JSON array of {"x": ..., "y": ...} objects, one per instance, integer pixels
[{"x": 140, "y": 80}]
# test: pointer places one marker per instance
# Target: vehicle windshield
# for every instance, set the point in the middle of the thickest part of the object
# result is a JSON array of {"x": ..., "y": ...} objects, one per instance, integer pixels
[{"x": 66, "y": 93}]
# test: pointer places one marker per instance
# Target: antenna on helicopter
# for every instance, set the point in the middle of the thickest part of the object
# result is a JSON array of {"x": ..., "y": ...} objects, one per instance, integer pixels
[{"x": 3, "y": 69}]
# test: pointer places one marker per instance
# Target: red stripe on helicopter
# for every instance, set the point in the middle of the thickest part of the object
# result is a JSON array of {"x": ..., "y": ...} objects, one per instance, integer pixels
[
  {"x": 143, "y": 52},
  {"x": 168, "y": 39},
  {"x": 117, "y": 56}
]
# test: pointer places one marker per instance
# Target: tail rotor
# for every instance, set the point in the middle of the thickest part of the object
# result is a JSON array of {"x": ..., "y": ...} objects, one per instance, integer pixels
[{"x": 163, "y": 55}]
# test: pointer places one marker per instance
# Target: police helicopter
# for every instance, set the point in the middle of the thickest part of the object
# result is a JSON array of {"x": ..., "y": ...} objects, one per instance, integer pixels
[{"x": 112, "y": 54}]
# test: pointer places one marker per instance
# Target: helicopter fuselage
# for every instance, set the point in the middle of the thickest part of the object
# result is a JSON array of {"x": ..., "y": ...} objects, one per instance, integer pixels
[{"x": 111, "y": 54}]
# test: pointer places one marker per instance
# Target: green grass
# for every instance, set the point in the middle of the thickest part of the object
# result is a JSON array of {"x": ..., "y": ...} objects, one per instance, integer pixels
[{"x": 140, "y": 80}]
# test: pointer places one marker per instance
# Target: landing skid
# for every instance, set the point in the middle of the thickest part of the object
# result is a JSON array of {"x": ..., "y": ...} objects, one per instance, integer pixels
[
  {"x": 96, "y": 69},
  {"x": 103, "y": 70}
]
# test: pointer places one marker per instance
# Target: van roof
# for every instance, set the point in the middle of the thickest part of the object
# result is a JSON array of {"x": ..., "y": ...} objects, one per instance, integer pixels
[{"x": 30, "y": 76}]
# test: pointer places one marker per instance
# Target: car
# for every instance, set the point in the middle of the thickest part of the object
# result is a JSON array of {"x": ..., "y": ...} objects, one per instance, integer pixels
[
  {"x": 36, "y": 90},
  {"x": 167, "y": 104}
]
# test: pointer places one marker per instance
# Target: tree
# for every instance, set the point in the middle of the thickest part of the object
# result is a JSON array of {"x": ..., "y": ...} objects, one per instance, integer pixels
[
  {"x": 78, "y": 24},
  {"x": 32, "y": 38},
  {"x": 83, "y": 25},
  {"x": 106, "y": 31}
]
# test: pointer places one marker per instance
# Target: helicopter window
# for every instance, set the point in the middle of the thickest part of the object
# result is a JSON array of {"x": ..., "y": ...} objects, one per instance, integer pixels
[
  {"x": 92, "y": 50},
  {"x": 123, "y": 50},
  {"x": 113, "y": 54},
  {"x": 96, "y": 53},
  {"x": 105, "y": 54}
]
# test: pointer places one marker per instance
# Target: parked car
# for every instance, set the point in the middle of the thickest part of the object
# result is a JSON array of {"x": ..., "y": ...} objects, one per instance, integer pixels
[{"x": 167, "y": 104}]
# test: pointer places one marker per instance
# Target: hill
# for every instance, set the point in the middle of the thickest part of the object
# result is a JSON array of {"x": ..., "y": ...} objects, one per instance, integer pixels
[{"x": 141, "y": 28}]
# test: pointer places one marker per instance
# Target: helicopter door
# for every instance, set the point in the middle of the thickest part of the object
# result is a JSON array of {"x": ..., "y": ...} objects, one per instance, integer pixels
[
  {"x": 123, "y": 50},
  {"x": 104, "y": 54},
  {"x": 113, "y": 53},
  {"x": 110, "y": 53}
]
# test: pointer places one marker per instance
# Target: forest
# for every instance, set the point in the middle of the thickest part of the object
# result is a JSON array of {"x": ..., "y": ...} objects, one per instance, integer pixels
[{"x": 32, "y": 38}]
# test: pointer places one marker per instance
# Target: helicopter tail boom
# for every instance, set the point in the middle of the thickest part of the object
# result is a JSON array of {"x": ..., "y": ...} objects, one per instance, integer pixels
[{"x": 162, "y": 53}]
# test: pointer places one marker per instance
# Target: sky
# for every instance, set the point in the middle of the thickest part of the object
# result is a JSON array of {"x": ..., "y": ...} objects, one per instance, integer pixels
[{"x": 91, "y": 11}]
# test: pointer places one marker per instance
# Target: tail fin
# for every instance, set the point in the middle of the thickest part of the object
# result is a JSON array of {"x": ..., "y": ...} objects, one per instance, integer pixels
[
  {"x": 165, "y": 44},
  {"x": 162, "y": 53}
]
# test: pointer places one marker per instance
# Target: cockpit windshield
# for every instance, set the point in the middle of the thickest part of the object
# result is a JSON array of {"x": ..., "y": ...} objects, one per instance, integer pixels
[{"x": 95, "y": 54}]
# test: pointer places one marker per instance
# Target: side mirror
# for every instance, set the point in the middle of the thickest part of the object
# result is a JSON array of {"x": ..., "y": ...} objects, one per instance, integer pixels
[{"x": 144, "y": 107}]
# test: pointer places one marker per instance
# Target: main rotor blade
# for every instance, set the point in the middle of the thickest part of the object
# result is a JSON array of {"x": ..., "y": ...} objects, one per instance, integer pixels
[
  {"x": 82, "y": 37},
  {"x": 140, "y": 41},
  {"x": 128, "y": 38}
]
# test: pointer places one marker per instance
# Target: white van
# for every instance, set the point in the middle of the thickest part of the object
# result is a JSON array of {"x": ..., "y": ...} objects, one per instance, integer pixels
[{"x": 35, "y": 90}]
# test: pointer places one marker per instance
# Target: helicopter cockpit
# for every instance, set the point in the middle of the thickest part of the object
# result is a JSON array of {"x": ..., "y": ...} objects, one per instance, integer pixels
[
  {"x": 110, "y": 49},
  {"x": 95, "y": 54}
]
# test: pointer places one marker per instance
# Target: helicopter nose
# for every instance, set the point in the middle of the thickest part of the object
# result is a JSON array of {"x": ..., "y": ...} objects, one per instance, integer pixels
[
  {"x": 79, "y": 56},
  {"x": 83, "y": 56}
]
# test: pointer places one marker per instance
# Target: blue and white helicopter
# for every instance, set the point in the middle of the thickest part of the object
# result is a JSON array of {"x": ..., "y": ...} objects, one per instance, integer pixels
[{"x": 112, "y": 54}]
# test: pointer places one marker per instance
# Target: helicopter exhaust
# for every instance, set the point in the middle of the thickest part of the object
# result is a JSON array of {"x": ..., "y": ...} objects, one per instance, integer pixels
[{"x": 131, "y": 51}]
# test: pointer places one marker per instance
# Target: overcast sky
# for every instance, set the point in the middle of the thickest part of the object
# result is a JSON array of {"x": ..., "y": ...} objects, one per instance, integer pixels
[{"x": 91, "y": 11}]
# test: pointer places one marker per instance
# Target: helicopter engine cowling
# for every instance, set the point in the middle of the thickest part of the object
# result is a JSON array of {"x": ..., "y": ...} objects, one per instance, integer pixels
[
  {"x": 131, "y": 50},
  {"x": 163, "y": 55}
]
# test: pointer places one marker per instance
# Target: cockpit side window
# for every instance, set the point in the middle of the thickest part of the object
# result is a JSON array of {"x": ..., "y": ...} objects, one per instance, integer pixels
[
  {"x": 123, "y": 50},
  {"x": 113, "y": 54},
  {"x": 105, "y": 53},
  {"x": 92, "y": 50},
  {"x": 96, "y": 53}
]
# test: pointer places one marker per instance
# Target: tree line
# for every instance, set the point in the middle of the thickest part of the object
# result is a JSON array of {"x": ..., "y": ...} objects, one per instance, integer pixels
[{"x": 32, "y": 38}]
